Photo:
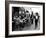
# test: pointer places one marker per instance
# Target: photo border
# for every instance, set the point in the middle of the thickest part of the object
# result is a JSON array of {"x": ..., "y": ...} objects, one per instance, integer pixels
[{"x": 7, "y": 18}]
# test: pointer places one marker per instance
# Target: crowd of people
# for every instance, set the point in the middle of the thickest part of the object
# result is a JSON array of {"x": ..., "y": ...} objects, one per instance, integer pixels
[{"x": 25, "y": 18}]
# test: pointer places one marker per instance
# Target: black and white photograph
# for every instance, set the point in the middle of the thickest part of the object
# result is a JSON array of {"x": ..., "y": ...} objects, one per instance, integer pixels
[{"x": 26, "y": 18}]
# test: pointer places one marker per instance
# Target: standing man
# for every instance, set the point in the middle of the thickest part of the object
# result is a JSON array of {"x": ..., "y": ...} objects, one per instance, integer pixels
[
  {"x": 36, "y": 19},
  {"x": 32, "y": 17}
]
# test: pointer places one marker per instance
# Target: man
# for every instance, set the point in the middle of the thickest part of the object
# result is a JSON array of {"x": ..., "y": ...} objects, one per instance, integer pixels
[
  {"x": 36, "y": 19},
  {"x": 32, "y": 17}
]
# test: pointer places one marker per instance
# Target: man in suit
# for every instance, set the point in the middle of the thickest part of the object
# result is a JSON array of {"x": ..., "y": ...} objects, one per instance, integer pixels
[{"x": 36, "y": 19}]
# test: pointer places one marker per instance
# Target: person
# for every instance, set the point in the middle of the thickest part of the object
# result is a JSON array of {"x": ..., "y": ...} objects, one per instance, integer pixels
[
  {"x": 32, "y": 17},
  {"x": 36, "y": 19},
  {"x": 22, "y": 16}
]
